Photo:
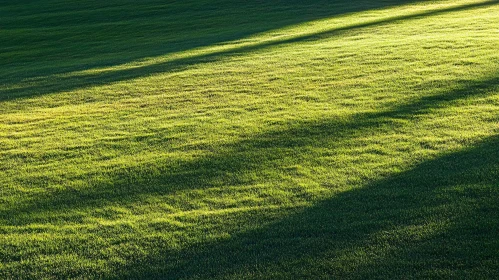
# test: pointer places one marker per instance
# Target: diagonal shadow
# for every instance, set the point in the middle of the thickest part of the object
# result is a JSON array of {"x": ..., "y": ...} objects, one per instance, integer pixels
[
  {"x": 44, "y": 38},
  {"x": 258, "y": 153},
  {"x": 61, "y": 84},
  {"x": 440, "y": 216}
]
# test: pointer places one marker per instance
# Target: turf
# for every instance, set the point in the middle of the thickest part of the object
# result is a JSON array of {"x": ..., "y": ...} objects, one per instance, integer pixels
[{"x": 249, "y": 139}]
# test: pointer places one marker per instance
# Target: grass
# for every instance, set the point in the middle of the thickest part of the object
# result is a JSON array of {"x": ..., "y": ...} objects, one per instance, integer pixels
[{"x": 249, "y": 139}]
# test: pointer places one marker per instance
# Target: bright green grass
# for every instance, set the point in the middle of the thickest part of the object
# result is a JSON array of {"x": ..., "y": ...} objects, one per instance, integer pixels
[{"x": 249, "y": 139}]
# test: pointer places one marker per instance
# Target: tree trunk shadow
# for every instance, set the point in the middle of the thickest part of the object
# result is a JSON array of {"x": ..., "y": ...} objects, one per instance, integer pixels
[
  {"x": 50, "y": 82},
  {"x": 257, "y": 153},
  {"x": 46, "y": 39},
  {"x": 439, "y": 219}
]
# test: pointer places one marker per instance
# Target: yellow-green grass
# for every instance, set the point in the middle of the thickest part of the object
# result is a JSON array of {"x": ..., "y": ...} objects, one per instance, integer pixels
[{"x": 249, "y": 139}]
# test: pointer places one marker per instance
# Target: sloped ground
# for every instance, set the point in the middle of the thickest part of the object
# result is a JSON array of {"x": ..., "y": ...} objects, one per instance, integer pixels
[{"x": 249, "y": 139}]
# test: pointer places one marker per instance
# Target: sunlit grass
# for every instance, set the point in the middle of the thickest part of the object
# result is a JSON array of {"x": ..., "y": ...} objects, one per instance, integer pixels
[{"x": 357, "y": 142}]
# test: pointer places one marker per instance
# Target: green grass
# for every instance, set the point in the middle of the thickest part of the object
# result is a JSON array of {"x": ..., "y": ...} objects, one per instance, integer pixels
[{"x": 249, "y": 139}]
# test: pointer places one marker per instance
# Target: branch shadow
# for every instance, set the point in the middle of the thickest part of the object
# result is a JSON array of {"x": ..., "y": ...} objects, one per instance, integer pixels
[{"x": 61, "y": 84}]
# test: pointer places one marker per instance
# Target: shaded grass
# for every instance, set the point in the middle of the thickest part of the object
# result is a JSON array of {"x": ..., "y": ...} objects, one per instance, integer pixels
[
  {"x": 41, "y": 38},
  {"x": 253, "y": 154},
  {"x": 72, "y": 82},
  {"x": 425, "y": 222},
  {"x": 355, "y": 145}
]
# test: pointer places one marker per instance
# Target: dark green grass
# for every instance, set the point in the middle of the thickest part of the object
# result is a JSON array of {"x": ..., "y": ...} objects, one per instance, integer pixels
[
  {"x": 41, "y": 38},
  {"x": 249, "y": 139},
  {"x": 231, "y": 29},
  {"x": 372, "y": 232},
  {"x": 252, "y": 154}
]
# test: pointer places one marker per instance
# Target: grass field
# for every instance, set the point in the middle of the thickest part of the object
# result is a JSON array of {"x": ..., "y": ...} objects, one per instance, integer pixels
[{"x": 232, "y": 139}]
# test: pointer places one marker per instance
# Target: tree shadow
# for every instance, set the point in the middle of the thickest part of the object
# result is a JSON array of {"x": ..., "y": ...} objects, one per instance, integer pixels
[
  {"x": 432, "y": 219},
  {"x": 439, "y": 219},
  {"x": 44, "y": 38},
  {"x": 56, "y": 84},
  {"x": 226, "y": 165}
]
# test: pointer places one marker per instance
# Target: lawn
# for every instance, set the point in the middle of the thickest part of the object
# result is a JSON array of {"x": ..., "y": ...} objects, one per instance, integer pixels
[{"x": 232, "y": 139}]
